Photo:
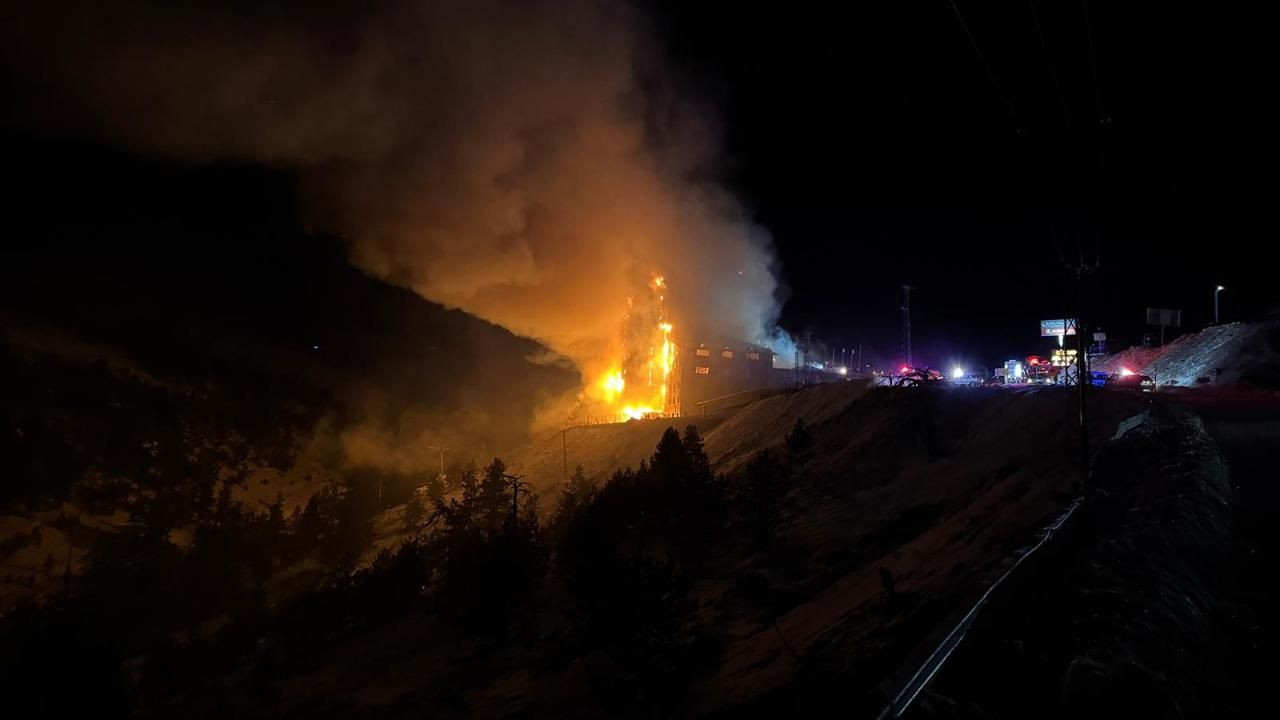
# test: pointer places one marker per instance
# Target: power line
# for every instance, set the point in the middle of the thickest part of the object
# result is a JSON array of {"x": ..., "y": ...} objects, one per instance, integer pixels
[
  {"x": 1103, "y": 119},
  {"x": 907, "y": 360},
  {"x": 1048, "y": 59},
  {"x": 991, "y": 76}
]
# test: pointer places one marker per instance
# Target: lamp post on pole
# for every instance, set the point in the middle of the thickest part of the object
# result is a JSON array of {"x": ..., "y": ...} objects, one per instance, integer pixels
[{"x": 1215, "y": 303}]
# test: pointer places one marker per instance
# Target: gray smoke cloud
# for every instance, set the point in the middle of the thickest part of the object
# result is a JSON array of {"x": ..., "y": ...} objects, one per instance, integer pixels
[{"x": 530, "y": 162}]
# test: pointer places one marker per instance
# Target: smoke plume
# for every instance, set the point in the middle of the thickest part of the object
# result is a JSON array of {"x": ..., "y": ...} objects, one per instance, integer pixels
[{"x": 532, "y": 162}]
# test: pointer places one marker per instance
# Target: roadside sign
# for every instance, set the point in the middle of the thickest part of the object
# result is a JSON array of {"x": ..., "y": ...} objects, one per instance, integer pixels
[
  {"x": 1164, "y": 317},
  {"x": 1063, "y": 358},
  {"x": 1057, "y": 328}
]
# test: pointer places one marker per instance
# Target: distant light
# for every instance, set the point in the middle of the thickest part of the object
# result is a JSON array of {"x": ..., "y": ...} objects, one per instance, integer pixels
[
  {"x": 315, "y": 347},
  {"x": 1221, "y": 288},
  {"x": 957, "y": 373},
  {"x": 1126, "y": 372},
  {"x": 904, "y": 369},
  {"x": 1017, "y": 370},
  {"x": 843, "y": 371}
]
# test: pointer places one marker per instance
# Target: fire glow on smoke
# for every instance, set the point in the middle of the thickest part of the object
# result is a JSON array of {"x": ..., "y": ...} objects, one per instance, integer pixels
[
  {"x": 480, "y": 154},
  {"x": 639, "y": 381}
]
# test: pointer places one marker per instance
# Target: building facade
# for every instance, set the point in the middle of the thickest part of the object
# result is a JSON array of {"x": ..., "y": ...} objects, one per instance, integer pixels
[{"x": 710, "y": 376}]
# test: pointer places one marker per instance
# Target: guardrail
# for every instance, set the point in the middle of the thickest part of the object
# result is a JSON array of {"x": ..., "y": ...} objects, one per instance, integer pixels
[{"x": 920, "y": 679}]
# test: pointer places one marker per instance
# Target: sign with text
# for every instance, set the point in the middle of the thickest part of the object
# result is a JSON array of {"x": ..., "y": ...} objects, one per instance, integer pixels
[
  {"x": 1057, "y": 328},
  {"x": 1164, "y": 317},
  {"x": 1063, "y": 358}
]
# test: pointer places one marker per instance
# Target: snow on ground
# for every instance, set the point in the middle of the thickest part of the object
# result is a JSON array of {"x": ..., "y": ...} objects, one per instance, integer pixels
[{"x": 1190, "y": 360}]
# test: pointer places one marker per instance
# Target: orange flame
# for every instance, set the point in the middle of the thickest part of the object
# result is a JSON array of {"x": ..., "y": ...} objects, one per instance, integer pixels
[{"x": 637, "y": 384}]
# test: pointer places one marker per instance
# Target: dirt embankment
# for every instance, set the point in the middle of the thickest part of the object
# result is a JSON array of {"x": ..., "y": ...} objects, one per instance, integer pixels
[
  {"x": 936, "y": 487},
  {"x": 731, "y": 437},
  {"x": 1123, "y": 616}
]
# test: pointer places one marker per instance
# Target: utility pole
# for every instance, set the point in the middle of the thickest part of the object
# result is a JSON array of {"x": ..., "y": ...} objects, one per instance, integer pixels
[
  {"x": 906, "y": 327},
  {"x": 66, "y": 575},
  {"x": 1081, "y": 272},
  {"x": 442, "y": 450},
  {"x": 1215, "y": 303}
]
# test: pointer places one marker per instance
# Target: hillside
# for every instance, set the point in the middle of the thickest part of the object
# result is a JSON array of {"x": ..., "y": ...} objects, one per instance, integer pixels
[
  {"x": 1227, "y": 354},
  {"x": 731, "y": 436},
  {"x": 125, "y": 395},
  {"x": 937, "y": 488}
]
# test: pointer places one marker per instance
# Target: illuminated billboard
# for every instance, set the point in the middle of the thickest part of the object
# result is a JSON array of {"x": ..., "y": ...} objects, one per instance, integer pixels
[{"x": 1057, "y": 328}]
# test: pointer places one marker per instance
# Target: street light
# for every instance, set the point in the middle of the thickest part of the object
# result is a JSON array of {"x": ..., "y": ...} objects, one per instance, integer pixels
[{"x": 1215, "y": 303}]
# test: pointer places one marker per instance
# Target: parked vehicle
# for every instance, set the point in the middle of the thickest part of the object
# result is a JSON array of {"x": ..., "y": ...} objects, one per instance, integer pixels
[
  {"x": 915, "y": 377},
  {"x": 1128, "y": 380}
]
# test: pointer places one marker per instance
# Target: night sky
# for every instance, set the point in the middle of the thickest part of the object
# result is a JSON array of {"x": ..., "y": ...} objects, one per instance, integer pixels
[
  {"x": 878, "y": 149},
  {"x": 871, "y": 141}
]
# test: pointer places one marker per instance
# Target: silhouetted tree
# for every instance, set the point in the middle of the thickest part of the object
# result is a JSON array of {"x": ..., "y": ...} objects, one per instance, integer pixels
[
  {"x": 491, "y": 568},
  {"x": 494, "y": 506},
  {"x": 435, "y": 488},
  {"x": 577, "y": 493},
  {"x": 275, "y": 513},
  {"x": 415, "y": 511},
  {"x": 222, "y": 506},
  {"x": 629, "y": 556}
]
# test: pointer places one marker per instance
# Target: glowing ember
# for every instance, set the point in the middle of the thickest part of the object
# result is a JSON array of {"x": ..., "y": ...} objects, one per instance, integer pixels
[
  {"x": 638, "y": 413},
  {"x": 613, "y": 385}
]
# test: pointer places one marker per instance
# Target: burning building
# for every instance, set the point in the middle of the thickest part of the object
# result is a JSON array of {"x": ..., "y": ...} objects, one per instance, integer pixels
[
  {"x": 712, "y": 376},
  {"x": 648, "y": 373},
  {"x": 639, "y": 380}
]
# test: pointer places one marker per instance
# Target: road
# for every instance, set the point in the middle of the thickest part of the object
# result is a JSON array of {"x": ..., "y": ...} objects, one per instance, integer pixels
[
  {"x": 1022, "y": 654},
  {"x": 1247, "y": 429}
]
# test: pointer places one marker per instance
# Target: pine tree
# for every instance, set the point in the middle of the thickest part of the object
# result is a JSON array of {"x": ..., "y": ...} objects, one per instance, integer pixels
[
  {"x": 414, "y": 512},
  {"x": 275, "y": 514},
  {"x": 495, "y": 506},
  {"x": 222, "y": 507},
  {"x": 578, "y": 493}
]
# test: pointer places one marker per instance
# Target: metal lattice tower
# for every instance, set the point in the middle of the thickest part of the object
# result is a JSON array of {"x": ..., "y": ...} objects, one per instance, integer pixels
[{"x": 906, "y": 327}]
